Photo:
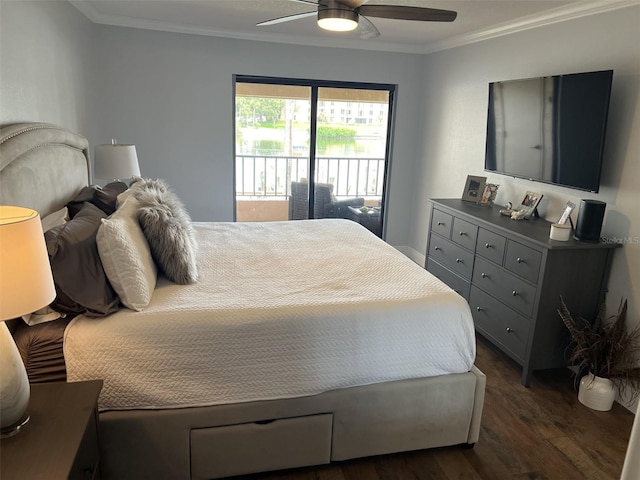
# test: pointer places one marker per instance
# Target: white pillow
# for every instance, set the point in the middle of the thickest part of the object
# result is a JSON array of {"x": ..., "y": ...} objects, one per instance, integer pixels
[
  {"x": 57, "y": 218},
  {"x": 120, "y": 199},
  {"x": 45, "y": 314},
  {"x": 126, "y": 257}
]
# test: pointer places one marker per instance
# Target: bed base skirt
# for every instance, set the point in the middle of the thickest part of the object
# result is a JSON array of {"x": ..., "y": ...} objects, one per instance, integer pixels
[{"x": 226, "y": 440}]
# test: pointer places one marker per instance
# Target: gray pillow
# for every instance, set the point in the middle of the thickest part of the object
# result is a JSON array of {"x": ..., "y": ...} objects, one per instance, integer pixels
[
  {"x": 102, "y": 197},
  {"x": 167, "y": 227},
  {"x": 80, "y": 281}
]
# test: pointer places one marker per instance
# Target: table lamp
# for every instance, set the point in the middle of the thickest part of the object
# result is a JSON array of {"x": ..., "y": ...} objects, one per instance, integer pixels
[
  {"x": 116, "y": 161},
  {"x": 26, "y": 285}
]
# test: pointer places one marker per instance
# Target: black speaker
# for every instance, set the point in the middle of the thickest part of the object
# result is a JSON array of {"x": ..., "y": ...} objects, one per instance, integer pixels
[{"x": 590, "y": 221}]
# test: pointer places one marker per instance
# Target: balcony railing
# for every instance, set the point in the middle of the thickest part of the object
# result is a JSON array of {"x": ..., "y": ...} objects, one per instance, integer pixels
[{"x": 271, "y": 176}]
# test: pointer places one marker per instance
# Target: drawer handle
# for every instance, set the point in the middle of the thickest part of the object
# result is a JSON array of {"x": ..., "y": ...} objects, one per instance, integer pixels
[
  {"x": 520, "y": 260},
  {"x": 458, "y": 260},
  {"x": 437, "y": 249},
  {"x": 484, "y": 275},
  {"x": 441, "y": 223},
  {"x": 479, "y": 309},
  {"x": 488, "y": 245},
  {"x": 515, "y": 293},
  {"x": 265, "y": 422},
  {"x": 462, "y": 233},
  {"x": 509, "y": 330}
]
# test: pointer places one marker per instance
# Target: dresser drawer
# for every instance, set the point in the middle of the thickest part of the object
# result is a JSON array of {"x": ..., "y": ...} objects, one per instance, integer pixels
[
  {"x": 523, "y": 261},
  {"x": 500, "y": 324},
  {"x": 491, "y": 246},
  {"x": 504, "y": 286},
  {"x": 451, "y": 256},
  {"x": 464, "y": 233},
  {"x": 459, "y": 284},
  {"x": 441, "y": 223}
]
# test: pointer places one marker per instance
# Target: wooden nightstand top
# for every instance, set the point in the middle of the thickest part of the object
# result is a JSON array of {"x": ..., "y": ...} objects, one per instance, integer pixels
[{"x": 48, "y": 445}]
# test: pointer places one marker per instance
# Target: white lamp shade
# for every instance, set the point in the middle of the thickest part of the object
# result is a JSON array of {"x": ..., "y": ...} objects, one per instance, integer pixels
[
  {"x": 116, "y": 161},
  {"x": 26, "y": 283}
]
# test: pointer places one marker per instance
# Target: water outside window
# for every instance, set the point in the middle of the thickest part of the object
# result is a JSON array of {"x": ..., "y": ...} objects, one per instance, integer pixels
[{"x": 275, "y": 155}]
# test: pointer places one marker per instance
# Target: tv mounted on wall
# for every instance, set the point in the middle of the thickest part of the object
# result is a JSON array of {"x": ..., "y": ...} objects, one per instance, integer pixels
[{"x": 549, "y": 129}]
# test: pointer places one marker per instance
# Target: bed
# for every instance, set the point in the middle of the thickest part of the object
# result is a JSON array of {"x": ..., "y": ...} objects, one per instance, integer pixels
[{"x": 300, "y": 343}]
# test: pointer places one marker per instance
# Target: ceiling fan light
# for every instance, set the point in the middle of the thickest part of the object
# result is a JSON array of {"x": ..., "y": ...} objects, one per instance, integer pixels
[{"x": 337, "y": 20}]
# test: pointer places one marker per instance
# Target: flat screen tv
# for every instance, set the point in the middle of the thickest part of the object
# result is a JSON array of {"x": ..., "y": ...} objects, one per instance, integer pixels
[{"x": 549, "y": 129}]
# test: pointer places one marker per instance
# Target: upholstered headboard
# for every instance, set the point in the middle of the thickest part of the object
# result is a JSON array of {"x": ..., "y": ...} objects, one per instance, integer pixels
[{"x": 42, "y": 166}]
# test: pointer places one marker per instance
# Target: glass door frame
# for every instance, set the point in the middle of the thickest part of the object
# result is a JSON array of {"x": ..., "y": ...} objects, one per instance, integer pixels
[{"x": 315, "y": 85}]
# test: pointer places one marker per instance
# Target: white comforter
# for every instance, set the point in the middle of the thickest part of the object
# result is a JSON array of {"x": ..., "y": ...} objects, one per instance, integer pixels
[{"x": 281, "y": 309}]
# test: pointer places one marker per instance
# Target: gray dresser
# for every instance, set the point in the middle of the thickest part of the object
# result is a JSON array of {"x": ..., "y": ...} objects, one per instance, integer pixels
[{"x": 513, "y": 276}]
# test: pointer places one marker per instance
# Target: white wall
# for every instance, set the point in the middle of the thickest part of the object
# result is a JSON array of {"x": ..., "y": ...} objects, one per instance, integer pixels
[
  {"x": 46, "y": 53},
  {"x": 456, "y": 84},
  {"x": 171, "y": 95}
]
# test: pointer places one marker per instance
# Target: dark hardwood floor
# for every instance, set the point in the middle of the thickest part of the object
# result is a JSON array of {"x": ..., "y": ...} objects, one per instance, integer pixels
[{"x": 541, "y": 432}]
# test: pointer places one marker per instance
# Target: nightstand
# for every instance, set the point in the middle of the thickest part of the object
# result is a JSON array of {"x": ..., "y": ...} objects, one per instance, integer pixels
[{"x": 61, "y": 439}]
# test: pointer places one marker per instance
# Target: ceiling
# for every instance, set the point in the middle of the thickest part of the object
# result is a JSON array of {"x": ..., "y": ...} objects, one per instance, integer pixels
[{"x": 477, "y": 20}]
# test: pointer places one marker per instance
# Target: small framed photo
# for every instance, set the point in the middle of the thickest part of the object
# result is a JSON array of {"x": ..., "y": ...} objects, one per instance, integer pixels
[
  {"x": 529, "y": 203},
  {"x": 566, "y": 215},
  {"x": 489, "y": 195},
  {"x": 474, "y": 188}
]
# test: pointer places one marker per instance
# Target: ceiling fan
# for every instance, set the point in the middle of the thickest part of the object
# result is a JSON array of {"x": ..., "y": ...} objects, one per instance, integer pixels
[{"x": 345, "y": 15}]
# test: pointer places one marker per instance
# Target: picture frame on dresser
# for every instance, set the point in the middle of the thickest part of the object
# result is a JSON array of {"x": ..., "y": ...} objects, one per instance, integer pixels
[
  {"x": 566, "y": 214},
  {"x": 489, "y": 194},
  {"x": 530, "y": 203},
  {"x": 473, "y": 188}
]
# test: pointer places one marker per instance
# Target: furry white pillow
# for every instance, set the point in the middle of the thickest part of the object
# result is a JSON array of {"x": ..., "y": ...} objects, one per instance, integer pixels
[
  {"x": 126, "y": 258},
  {"x": 167, "y": 226}
]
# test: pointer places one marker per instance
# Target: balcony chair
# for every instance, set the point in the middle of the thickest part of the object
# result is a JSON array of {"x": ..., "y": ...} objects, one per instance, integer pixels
[{"x": 325, "y": 206}]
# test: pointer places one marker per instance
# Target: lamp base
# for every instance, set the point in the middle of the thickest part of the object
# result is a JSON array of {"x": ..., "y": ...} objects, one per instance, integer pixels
[
  {"x": 14, "y": 384},
  {"x": 14, "y": 429}
]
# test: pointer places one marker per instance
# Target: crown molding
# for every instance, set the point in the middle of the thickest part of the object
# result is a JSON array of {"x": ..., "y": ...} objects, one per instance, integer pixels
[{"x": 550, "y": 17}]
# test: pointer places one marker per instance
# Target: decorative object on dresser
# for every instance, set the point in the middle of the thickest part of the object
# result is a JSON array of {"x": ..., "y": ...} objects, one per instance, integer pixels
[
  {"x": 61, "y": 441},
  {"x": 116, "y": 161},
  {"x": 590, "y": 219},
  {"x": 26, "y": 285},
  {"x": 473, "y": 188},
  {"x": 560, "y": 232},
  {"x": 566, "y": 214},
  {"x": 512, "y": 274},
  {"x": 604, "y": 353}
]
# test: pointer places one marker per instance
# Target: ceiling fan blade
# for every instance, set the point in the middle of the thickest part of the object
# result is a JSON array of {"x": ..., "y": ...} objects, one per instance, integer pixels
[
  {"x": 347, "y": 3},
  {"x": 408, "y": 13},
  {"x": 366, "y": 29},
  {"x": 352, "y": 3},
  {"x": 306, "y": 2},
  {"x": 288, "y": 18}
]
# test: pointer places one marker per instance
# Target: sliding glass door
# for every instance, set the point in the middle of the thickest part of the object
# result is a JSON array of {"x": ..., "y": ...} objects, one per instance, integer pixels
[{"x": 309, "y": 149}]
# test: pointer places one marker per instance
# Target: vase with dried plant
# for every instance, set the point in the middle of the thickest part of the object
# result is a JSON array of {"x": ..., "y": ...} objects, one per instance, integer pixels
[{"x": 605, "y": 354}]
